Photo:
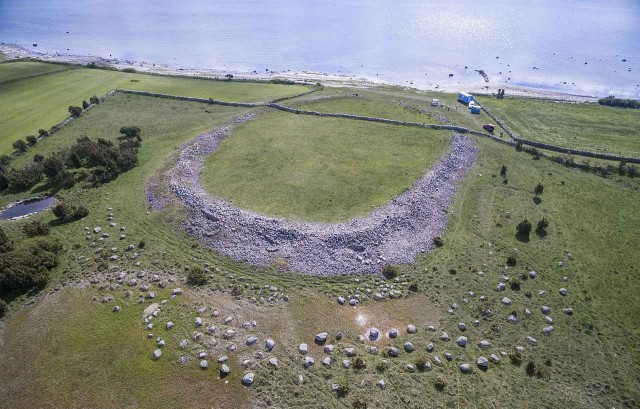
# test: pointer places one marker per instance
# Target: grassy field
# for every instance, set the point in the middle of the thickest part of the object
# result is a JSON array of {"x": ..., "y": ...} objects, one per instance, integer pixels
[
  {"x": 590, "y": 360},
  {"x": 590, "y": 127},
  {"x": 320, "y": 169},
  {"x": 42, "y": 101},
  {"x": 393, "y": 103},
  {"x": 24, "y": 69}
]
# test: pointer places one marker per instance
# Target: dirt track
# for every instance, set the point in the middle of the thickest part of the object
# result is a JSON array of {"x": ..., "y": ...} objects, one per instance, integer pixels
[{"x": 391, "y": 234}]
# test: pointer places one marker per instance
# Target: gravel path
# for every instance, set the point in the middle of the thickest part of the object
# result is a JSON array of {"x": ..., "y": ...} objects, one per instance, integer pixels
[{"x": 391, "y": 234}]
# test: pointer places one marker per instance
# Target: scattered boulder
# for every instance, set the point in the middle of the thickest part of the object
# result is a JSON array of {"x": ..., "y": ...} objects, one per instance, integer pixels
[
  {"x": 328, "y": 349},
  {"x": 157, "y": 354},
  {"x": 484, "y": 344},
  {"x": 462, "y": 326},
  {"x": 346, "y": 363},
  {"x": 430, "y": 347},
  {"x": 545, "y": 310},
  {"x": 465, "y": 368},
  {"x": 308, "y": 361},
  {"x": 169, "y": 325},
  {"x": 224, "y": 369},
  {"x": 381, "y": 384},
  {"x": 176, "y": 291},
  {"x": 444, "y": 336},
  {"x": 494, "y": 358},
  {"x": 374, "y": 333},
  {"x": 204, "y": 364},
  {"x": 483, "y": 363},
  {"x": 411, "y": 329},
  {"x": 393, "y": 352},
  {"x": 563, "y": 291},
  {"x": 462, "y": 341},
  {"x": 269, "y": 344},
  {"x": 247, "y": 379},
  {"x": 350, "y": 351},
  {"x": 568, "y": 311},
  {"x": 531, "y": 340},
  {"x": 506, "y": 301},
  {"x": 341, "y": 300},
  {"x": 393, "y": 333},
  {"x": 408, "y": 346},
  {"x": 273, "y": 362},
  {"x": 251, "y": 341},
  {"x": 198, "y": 322},
  {"x": 116, "y": 308},
  {"x": 321, "y": 337},
  {"x": 326, "y": 361},
  {"x": 303, "y": 348}
]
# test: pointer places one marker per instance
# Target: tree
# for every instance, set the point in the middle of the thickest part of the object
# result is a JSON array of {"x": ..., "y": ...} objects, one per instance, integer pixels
[
  {"x": 94, "y": 100},
  {"x": 229, "y": 76},
  {"x": 3, "y": 237},
  {"x": 4, "y": 160},
  {"x": 75, "y": 111},
  {"x": 32, "y": 140},
  {"x": 523, "y": 229},
  {"x": 52, "y": 167},
  {"x": 37, "y": 158},
  {"x": 539, "y": 189},
  {"x": 36, "y": 228},
  {"x": 43, "y": 132},
  {"x": 20, "y": 145},
  {"x": 85, "y": 105}
]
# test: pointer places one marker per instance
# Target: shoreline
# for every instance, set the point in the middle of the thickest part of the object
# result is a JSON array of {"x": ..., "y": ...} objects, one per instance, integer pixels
[{"x": 14, "y": 51}]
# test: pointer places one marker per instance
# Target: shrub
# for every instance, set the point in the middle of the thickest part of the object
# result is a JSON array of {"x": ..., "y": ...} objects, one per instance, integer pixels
[
  {"x": 37, "y": 158},
  {"x": 79, "y": 212},
  {"x": 381, "y": 366},
  {"x": 531, "y": 368},
  {"x": 421, "y": 363},
  {"x": 360, "y": 403},
  {"x": 94, "y": 100},
  {"x": 4, "y": 180},
  {"x": 141, "y": 244},
  {"x": 85, "y": 105},
  {"x": 3, "y": 307},
  {"x": 28, "y": 264},
  {"x": 524, "y": 229},
  {"x": 20, "y": 146},
  {"x": 52, "y": 167},
  {"x": 541, "y": 228},
  {"x": 75, "y": 111},
  {"x": 437, "y": 241},
  {"x": 130, "y": 132},
  {"x": 60, "y": 210},
  {"x": 197, "y": 276},
  {"x": 5, "y": 160},
  {"x": 31, "y": 140},
  {"x": 516, "y": 356},
  {"x": 343, "y": 388},
  {"x": 359, "y": 363},
  {"x": 511, "y": 261},
  {"x": 36, "y": 228},
  {"x": 413, "y": 287},
  {"x": 515, "y": 284},
  {"x": 440, "y": 383},
  {"x": 612, "y": 101},
  {"x": 3, "y": 237},
  {"x": 129, "y": 70},
  {"x": 538, "y": 189},
  {"x": 390, "y": 272},
  {"x": 43, "y": 132},
  {"x": 503, "y": 171},
  {"x": 25, "y": 177}
]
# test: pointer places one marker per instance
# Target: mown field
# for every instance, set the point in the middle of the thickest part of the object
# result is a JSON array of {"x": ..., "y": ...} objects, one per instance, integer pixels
[
  {"x": 591, "y": 358},
  {"x": 586, "y": 126},
  {"x": 320, "y": 169},
  {"x": 41, "y": 98}
]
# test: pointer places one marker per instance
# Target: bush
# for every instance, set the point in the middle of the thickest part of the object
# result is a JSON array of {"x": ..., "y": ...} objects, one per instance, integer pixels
[
  {"x": 359, "y": 363},
  {"x": 130, "y": 132},
  {"x": 612, "y": 101},
  {"x": 3, "y": 237},
  {"x": 79, "y": 212},
  {"x": 60, "y": 210},
  {"x": 94, "y": 100},
  {"x": 5, "y": 160},
  {"x": 360, "y": 403},
  {"x": 541, "y": 228},
  {"x": 381, "y": 366},
  {"x": 515, "y": 284},
  {"x": 36, "y": 228},
  {"x": 531, "y": 368},
  {"x": 390, "y": 272},
  {"x": 141, "y": 244},
  {"x": 511, "y": 261},
  {"x": 129, "y": 70},
  {"x": 516, "y": 356},
  {"x": 4, "y": 180},
  {"x": 28, "y": 265},
  {"x": 197, "y": 276},
  {"x": 85, "y": 105},
  {"x": 31, "y": 140},
  {"x": 413, "y": 287},
  {"x": 37, "y": 158},
  {"x": 43, "y": 132},
  {"x": 20, "y": 146},
  {"x": 539, "y": 189},
  {"x": 75, "y": 111},
  {"x": 440, "y": 383},
  {"x": 503, "y": 171},
  {"x": 3, "y": 307},
  {"x": 25, "y": 177},
  {"x": 343, "y": 389},
  {"x": 437, "y": 241},
  {"x": 523, "y": 229}
]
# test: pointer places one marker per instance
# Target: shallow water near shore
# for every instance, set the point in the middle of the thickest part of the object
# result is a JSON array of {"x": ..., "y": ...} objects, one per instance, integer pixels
[{"x": 575, "y": 46}]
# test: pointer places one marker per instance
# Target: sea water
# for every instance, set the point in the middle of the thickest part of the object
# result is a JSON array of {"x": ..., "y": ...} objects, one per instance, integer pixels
[{"x": 576, "y": 46}]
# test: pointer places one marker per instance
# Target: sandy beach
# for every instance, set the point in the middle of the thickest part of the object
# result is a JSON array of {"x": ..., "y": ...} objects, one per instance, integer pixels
[{"x": 14, "y": 51}]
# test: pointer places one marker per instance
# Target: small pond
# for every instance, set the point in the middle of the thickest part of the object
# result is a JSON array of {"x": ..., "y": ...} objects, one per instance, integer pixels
[{"x": 27, "y": 206}]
